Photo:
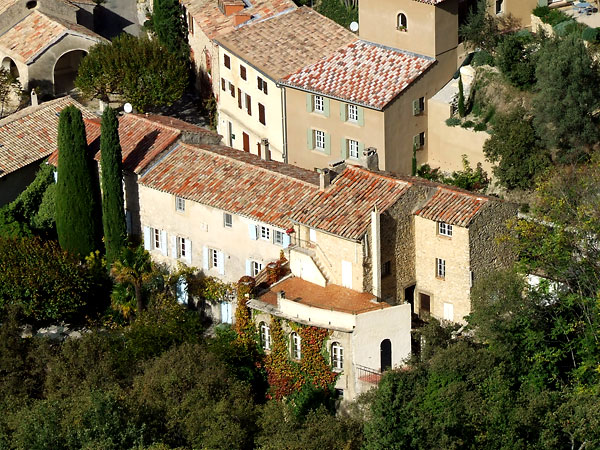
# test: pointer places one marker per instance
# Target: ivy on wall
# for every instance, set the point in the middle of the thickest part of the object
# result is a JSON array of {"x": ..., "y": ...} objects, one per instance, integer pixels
[{"x": 244, "y": 325}]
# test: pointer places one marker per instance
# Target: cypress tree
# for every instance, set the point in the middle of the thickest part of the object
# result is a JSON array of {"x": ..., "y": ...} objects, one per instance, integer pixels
[
  {"x": 77, "y": 191},
  {"x": 462, "y": 111},
  {"x": 113, "y": 213},
  {"x": 170, "y": 27}
]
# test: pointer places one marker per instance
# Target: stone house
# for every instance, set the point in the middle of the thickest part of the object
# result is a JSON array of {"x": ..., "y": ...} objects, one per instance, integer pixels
[
  {"x": 252, "y": 60},
  {"x": 42, "y": 44}
]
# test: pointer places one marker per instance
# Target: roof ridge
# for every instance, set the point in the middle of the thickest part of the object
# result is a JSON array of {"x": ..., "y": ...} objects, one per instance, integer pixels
[
  {"x": 387, "y": 176},
  {"x": 146, "y": 118},
  {"x": 33, "y": 109}
]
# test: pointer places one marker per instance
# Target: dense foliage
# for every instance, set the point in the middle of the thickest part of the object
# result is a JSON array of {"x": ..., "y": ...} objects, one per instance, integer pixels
[
  {"x": 9, "y": 87},
  {"x": 339, "y": 11},
  {"x": 78, "y": 223},
  {"x": 169, "y": 25},
  {"x": 139, "y": 69},
  {"x": 516, "y": 59},
  {"x": 113, "y": 209}
]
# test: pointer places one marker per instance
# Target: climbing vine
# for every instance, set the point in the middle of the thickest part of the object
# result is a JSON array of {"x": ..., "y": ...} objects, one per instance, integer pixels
[{"x": 244, "y": 325}]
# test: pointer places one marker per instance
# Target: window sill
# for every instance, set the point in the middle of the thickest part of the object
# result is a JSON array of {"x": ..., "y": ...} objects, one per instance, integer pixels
[
  {"x": 440, "y": 278},
  {"x": 402, "y": 29},
  {"x": 443, "y": 236}
]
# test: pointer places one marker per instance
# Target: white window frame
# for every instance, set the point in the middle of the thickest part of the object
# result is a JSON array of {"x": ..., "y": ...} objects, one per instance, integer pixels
[
  {"x": 179, "y": 204},
  {"x": 444, "y": 229},
  {"x": 278, "y": 237},
  {"x": 337, "y": 356},
  {"x": 440, "y": 268},
  {"x": 296, "y": 342},
  {"x": 156, "y": 238},
  {"x": 265, "y": 233},
  {"x": 319, "y": 104},
  {"x": 213, "y": 258},
  {"x": 319, "y": 140},
  {"x": 352, "y": 113},
  {"x": 256, "y": 267},
  {"x": 182, "y": 247},
  {"x": 265, "y": 336},
  {"x": 227, "y": 220},
  {"x": 353, "y": 149}
]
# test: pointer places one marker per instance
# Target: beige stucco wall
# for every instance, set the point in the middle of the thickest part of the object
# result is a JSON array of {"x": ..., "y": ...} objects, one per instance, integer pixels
[
  {"x": 203, "y": 225},
  {"x": 520, "y": 9},
  {"x": 199, "y": 45},
  {"x": 448, "y": 144},
  {"x": 240, "y": 119},
  {"x": 455, "y": 287},
  {"x": 331, "y": 250}
]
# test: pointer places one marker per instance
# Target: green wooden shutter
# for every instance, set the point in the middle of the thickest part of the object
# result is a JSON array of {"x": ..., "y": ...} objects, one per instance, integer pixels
[
  {"x": 361, "y": 116},
  {"x": 343, "y": 112},
  {"x": 361, "y": 149},
  {"x": 344, "y": 148},
  {"x": 327, "y": 143},
  {"x": 310, "y": 136},
  {"x": 309, "y": 103},
  {"x": 416, "y": 109},
  {"x": 326, "y": 106}
]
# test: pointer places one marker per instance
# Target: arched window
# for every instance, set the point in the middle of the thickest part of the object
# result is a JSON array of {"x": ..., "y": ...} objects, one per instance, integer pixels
[
  {"x": 265, "y": 336},
  {"x": 296, "y": 346},
  {"x": 401, "y": 22},
  {"x": 337, "y": 356}
]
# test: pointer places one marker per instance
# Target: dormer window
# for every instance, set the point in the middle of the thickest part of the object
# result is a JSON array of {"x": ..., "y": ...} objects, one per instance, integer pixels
[{"x": 401, "y": 22}]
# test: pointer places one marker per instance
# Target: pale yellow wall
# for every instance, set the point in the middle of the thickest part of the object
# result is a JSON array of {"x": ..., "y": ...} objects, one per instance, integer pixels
[
  {"x": 299, "y": 120},
  {"x": 203, "y": 225},
  {"x": 241, "y": 121},
  {"x": 455, "y": 287},
  {"x": 331, "y": 250},
  {"x": 520, "y": 9},
  {"x": 199, "y": 43},
  {"x": 448, "y": 144}
]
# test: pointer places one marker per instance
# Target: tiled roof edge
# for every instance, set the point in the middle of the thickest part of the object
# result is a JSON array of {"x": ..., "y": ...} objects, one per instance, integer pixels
[
  {"x": 399, "y": 50},
  {"x": 218, "y": 42}
]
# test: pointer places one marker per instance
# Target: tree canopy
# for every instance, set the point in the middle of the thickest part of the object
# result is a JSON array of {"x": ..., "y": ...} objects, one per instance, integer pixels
[{"x": 170, "y": 27}]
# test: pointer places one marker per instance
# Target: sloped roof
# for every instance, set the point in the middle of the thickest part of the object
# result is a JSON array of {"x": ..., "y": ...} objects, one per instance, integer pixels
[
  {"x": 453, "y": 207},
  {"x": 430, "y": 2},
  {"x": 5, "y": 4},
  {"x": 345, "y": 207},
  {"x": 31, "y": 134},
  {"x": 282, "y": 44},
  {"x": 214, "y": 23},
  {"x": 30, "y": 37},
  {"x": 234, "y": 181},
  {"x": 362, "y": 72}
]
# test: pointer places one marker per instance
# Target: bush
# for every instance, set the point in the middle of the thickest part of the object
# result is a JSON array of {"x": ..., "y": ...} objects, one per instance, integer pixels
[
  {"x": 591, "y": 35},
  {"x": 554, "y": 17},
  {"x": 541, "y": 11},
  {"x": 467, "y": 124},
  {"x": 516, "y": 61},
  {"x": 482, "y": 58},
  {"x": 337, "y": 11},
  {"x": 481, "y": 126},
  {"x": 453, "y": 121}
]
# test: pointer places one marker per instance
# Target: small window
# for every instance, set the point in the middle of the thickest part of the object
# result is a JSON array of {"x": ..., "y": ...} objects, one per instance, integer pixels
[
  {"x": 262, "y": 85},
  {"x": 278, "y": 237},
  {"x": 444, "y": 229},
  {"x": 227, "y": 220},
  {"x": 419, "y": 140},
  {"x": 386, "y": 269},
  {"x": 265, "y": 233},
  {"x": 319, "y": 104},
  {"x": 440, "y": 268},
  {"x": 156, "y": 238},
  {"x": 296, "y": 346},
  {"x": 242, "y": 72},
  {"x": 179, "y": 204},
  {"x": 353, "y": 113},
  {"x": 319, "y": 140},
  {"x": 401, "y": 22},
  {"x": 182, "y": 247},
  {"x": 227, "y": 61},
  {"x": 256, "y": 267},
  {"x": 213, "y": 258},
  {"x": 223, "y": 84},
  {"x": 265, "y": 336},
  {"x": 499, "y": 6},
  {"x": 249, "y": 104},
  {"x": 231, "y": 89},
  {"x": 261, "y": 114},
  {"x": 337, "y": 356},
  {"x": 418, "y": 106},
  {"x": 353, "y": 149}
]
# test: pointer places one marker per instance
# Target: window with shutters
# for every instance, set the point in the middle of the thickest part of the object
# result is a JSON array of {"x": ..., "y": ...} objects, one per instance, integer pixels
[
  {"x": 182, "y": 247},
  {"x": 353, "y": 151},
  {"x": 440, "y": 268},
  {"x": 242, "y": 72},
  {"x": 265, "y": 233},
  {"x": 156, "y": 238},
  {"x": 319, "y": 104},
  {"x": 419, "y": 140},
  {"x": 262, "y": 85},
  {"x": 353, "y": 113},
  {"x": 179, "y": 204},
  {"x": 231, "y": 89},
  {"x": 261, "y": 114},
  {"x": 255, "y": 267},
  {"x": 227, "y": 61},
  {"x": 337, "y": 356},
  {"x": 278, "y": 237},
  {"x": 213, "y": 258},
  {"x": 418, "y": 106},
  {"x": 319, "y": 140},
  {"x": 248, "y": 104}
]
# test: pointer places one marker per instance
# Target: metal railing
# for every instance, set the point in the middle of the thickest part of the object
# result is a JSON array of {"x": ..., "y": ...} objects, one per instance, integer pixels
[{"x": 367, "y": 374}]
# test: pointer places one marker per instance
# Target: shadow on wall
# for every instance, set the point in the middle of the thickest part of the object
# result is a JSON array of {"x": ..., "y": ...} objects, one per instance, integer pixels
[{"x": 109, "y": 24}]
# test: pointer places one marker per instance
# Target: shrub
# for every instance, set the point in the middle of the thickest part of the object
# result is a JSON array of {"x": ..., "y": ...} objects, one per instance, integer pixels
[
  {"x": 482, "y": 58},
  {"x": 515, "y": 60},
  {"x": 541, "y": 11},
  {"x": 554, "y": 17},
  {"x": 481, "y": 126},
  {"x": 467, "y": 124},
  {"x": 453, "y": 121},
  {"x": 591, "y": 35}
]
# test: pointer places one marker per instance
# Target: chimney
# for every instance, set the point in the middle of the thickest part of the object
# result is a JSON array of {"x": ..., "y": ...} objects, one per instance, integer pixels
[
  {"x": 369, "y": 159},
  {"x": 265, "y": 152},
  {"x": 34, "y": 98},
  {"x": 324, "y": 179},
  {"x": 241, "y": 18}
]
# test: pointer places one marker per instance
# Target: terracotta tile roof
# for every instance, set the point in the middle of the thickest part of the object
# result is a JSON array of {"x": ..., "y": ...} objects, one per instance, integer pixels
[
  {"x": 287, "y": 42},
  {"x": 142, "y": 138},
  {"x": 27, "y": 39},
  {"x": 234, "y": 181},
  {"x": 331, "y": 297},
  {"x": 30, "y": 134},
  {"x": 453, "y": 207},
  {"x": 362, "y": 72},
  {"x": 430, "y": 2},
  {"x": 344, "y": 208},
  {"x": 214, "y": 23}
]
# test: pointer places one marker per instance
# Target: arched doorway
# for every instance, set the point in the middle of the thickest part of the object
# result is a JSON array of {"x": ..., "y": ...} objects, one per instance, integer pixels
[
  {"x": 385, "y": 349},
  {"x": 65, "y": 71},
  {"x": 9, "y": 64}
]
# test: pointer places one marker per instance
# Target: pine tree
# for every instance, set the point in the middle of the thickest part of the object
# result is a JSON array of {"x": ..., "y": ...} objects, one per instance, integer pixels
[
  {"x": 170, "y": 27},
  {"x": 113, "y": 213},
  {"x": 461, "y": 99},
  {"x": 77, "y": 191}
]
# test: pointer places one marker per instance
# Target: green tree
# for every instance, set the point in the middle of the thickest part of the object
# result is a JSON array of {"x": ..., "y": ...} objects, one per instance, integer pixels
[
  {"x": 338, "y": 11},
  {"x": 480, "y": 31},
  {"x": 516, "y": 60},
  {"x": 113, "y": 210},
  {"x": 170, "y": 27},
  {"x": 567, "y": 99},
  {"x": 141, "y": 70},
  {"x": 134, "y": 267},
  {"x": 515, "y": 150},
  {"x": 9, "y": 86},
  {"x": 78, "y": 222},
  {"x": 462, "y": 109}
]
